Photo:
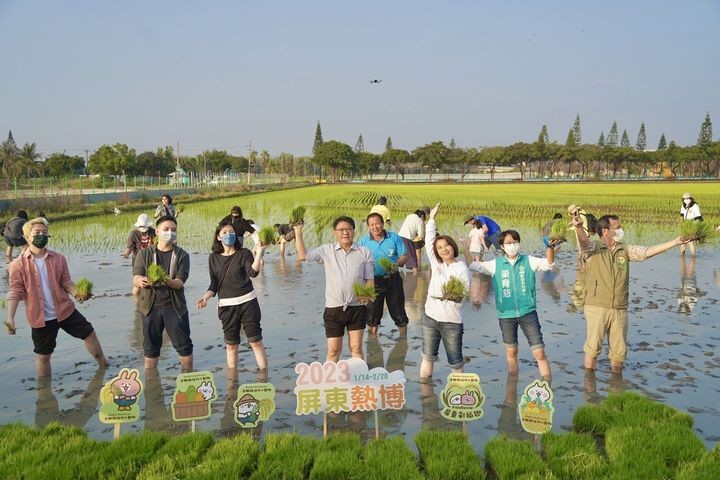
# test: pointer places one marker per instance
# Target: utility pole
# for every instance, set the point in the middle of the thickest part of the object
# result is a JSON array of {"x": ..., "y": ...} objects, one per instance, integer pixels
[
  {"x": 177, "y": 156},
  {"x": 87, "y": 161},
  {"x": 249, "y": 159}
]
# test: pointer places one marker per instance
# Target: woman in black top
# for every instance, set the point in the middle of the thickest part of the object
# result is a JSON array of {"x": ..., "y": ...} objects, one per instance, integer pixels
[
  {"x": 231, "y": 268},
  {"x": 239, "y": 223}
]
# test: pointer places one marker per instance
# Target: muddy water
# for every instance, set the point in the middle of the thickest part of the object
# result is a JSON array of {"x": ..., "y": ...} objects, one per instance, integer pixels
[{"x": 673, "y": 351}]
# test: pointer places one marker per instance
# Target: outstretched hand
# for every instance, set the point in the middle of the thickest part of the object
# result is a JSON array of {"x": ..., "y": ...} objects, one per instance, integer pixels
[{"x": 434, "y": 211}]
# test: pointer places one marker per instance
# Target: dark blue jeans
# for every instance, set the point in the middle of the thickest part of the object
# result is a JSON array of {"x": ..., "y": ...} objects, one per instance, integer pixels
[
  {"x": 451, "y": 335},
  {"x": 530, "y": 325}
]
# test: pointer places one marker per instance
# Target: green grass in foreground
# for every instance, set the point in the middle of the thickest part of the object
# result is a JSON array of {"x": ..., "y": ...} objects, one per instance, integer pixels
[{"x": 642, "y": 440}]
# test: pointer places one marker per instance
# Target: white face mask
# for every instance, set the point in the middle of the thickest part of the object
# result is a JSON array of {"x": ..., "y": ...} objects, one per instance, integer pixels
[
  {"x": 686, "y": 201},
  {"x": 619, "y": 235},
  {"x": 512, "y": 249},
  {"x": 169, "y": 236}
]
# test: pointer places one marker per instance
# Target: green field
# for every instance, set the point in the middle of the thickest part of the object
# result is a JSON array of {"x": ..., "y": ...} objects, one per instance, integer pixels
[{"x": 646, "y": 209}]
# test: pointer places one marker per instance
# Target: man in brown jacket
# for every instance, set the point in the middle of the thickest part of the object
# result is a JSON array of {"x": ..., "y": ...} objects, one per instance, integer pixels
[{"x": 606, "y": 286}]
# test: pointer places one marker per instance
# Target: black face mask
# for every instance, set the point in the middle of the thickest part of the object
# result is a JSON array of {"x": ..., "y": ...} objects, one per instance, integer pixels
[{"x": 40, "y": 240}]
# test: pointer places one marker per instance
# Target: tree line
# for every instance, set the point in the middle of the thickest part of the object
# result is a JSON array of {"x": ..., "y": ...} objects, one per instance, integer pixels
[{"x": 611, "y": 156}]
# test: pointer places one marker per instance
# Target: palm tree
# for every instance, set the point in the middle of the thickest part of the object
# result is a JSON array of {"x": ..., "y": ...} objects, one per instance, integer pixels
[{"x": 28, "y": 158}]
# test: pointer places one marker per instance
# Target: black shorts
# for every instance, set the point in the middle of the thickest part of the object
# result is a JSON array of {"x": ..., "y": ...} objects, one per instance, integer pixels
[
  {"x": 336, "y": 319},
  {"x": 246, "y": 314},
  {"x": 178, "y": 329},
  {"x": 14, "y": 242},
  {"x": 44, "y": 338}
]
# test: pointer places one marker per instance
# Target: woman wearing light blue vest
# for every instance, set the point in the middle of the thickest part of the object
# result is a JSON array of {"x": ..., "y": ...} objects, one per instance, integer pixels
[{"x": 515, "y": 298}]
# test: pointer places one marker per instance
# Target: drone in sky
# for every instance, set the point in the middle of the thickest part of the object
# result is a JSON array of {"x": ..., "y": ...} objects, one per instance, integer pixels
[{"x": 375, "y": 81}]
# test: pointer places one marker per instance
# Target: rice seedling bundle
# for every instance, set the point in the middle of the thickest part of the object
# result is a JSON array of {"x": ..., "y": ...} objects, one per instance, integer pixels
[
  {"x": 558, "y": 231},
  {"x": 453, "y": 290},
  {"x": 297, "y": 215},
  {"x": 83, "y": 289},
  {"x": 701, "y": 232},
  {"x": 268, "y": 236},
  {"x": 388, "y": 265},
  {"x": 179, "y": 208},
  {"x": 363, "y": 292},
  {"x": 156, "y": 275},
  {"x": 9, "y": 327}
]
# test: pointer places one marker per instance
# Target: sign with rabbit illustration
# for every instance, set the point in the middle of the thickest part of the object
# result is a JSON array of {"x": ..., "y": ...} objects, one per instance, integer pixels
[
  {"x": 536, "y": 409},
  {"x": 462, "y": 398},
  {"x": 193, "y": 394},
  {"x": 120, "y": 396},
  {"x": 255, "y": 403}
]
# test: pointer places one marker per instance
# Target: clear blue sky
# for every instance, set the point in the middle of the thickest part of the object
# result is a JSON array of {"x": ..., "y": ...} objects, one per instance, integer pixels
[{"x": 77, "y": 74}]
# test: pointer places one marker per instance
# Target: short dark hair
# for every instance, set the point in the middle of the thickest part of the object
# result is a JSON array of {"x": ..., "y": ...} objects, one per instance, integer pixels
[
  {"x": 165, "y": 218},
  {"x": 604, "y": 223},
  {"x": 375, "y": 214},
  {"x": 508, "y": 233},
  {"x": 165, "y": 195},
  {"x": 344, "y": 218},
  {"x": 449, "y": 241},
  {"x": 382, "y": 200},
  {"x": 217, "y": 245},
  {"x": 557, "y": 215},
  {"x": 22, "y": 214}
]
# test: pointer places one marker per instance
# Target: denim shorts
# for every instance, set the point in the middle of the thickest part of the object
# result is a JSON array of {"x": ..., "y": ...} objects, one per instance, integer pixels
[
  {"x": 451, "y": 335},
  {"x": 530, "y": 326}
]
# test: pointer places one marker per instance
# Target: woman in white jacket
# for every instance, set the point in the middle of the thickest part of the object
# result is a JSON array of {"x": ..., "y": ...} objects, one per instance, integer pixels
[
  {"x": 442, "y": 319},
  {"x": 689, "y": 211}
]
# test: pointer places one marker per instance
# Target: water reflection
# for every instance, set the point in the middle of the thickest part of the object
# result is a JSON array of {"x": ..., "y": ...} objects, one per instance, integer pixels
[
  {"x": 576, "y": 291},
  {"x": 431, "y": 417},
  {"x": 47, "y": 408},
  {"x": 228, "y": 426},
  {"x": 480, "y": 288},
  {"x": 616, "y": 384},
  {"x": 509, "y": 421},
  {"x": 552, "y": 284},
  {"x": 688, "y": 293}
]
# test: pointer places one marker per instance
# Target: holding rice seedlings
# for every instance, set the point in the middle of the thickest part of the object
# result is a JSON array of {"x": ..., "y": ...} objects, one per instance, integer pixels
[
  {"x": 701, "y": 232},
  {"x": 156, "y": 275},
  {"x": 179, "y": 208},
  {"x": 453, "y": 290},
  {"x": 83, "y": 289},
  {"x": 388, "y": 265},
  {"x": 268, "y": 236},
  {"x": 364, "y": 293},
  {"x": 558, "y": 232},
  {"x": 297, "y": 215}
]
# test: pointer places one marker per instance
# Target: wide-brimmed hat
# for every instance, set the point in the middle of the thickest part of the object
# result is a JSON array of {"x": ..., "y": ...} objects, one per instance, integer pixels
[
  {"x": 573, "y": 208},
  {"x": 687, "y": 195},
  {"x": 247, "y": 398},
  {"x": 143, "y": 221}
]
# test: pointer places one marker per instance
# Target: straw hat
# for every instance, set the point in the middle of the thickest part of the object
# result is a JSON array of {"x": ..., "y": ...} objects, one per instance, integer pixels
[
  {"x": 573, "y": 208},
  {"x": 143, "y": 221},
  {"x": 686, "y": 195}
]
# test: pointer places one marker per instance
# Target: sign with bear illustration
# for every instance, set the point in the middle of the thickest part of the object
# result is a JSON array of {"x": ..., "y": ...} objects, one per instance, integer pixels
[
  {"x": 462, "y": 398},
  {"x": 536, "y": 409},
  {"x": 255, "y": 403},
  {"x": 193, "y": 394},
  {"x": 119, "y": 398}
]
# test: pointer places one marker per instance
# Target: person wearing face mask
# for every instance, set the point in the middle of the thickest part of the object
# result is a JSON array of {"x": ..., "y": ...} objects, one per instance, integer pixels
[
  {"x": 607, "y": 279},
  {"x": 240, "y": 224},
  {"x": 163, "y": 306},
  {"x": 689, "y": 211},
  {"x": 515, "y": 298},
  {"x": 140, "y": 237},
  {"x": 442, "y": 319},
  {"x": 41, "y": 278},
  {"x": 231, "y": 267}
]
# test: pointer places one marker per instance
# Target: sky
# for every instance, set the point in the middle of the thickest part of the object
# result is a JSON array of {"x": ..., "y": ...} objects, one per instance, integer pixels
[{"x": 79, "y": 74}]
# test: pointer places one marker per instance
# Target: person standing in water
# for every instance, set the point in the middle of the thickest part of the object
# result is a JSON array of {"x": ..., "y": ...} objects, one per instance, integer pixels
[{"x": 689, "y": 211}]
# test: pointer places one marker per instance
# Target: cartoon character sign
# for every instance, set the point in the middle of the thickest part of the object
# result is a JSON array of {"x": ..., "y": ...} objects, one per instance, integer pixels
[
  {"x": 462, "y": 397},
  {"x": 536, "y": 409},
  {"x": 194, "y": 393},
  {"x": 119, "y": 398},
  {"x": 255, "y": 403}
]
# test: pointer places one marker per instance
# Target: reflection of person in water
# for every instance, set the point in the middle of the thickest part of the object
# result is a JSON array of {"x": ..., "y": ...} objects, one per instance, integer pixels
[
  {"x": 157, "y": 415},
  {"x": 577, "y": 292},
  {"x": 688, "y": 292},
  {"x": 547, "y": 283},
  {"x": 479, "y": 290},
  {"x": 228, "y": 425},
  {"x": 431, "y": 418},
  {"x": 617, "y": 384},
  {"x": 47, "y": 408},
  {"x": 508, "y": 422}
]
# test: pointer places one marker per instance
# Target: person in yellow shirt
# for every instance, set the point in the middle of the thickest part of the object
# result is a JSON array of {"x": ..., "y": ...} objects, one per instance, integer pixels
[{"x": 382, "y": 209}]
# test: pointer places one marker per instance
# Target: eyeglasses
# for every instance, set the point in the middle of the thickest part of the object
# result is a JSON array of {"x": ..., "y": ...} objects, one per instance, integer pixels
[{"x": 347, "y": 230}]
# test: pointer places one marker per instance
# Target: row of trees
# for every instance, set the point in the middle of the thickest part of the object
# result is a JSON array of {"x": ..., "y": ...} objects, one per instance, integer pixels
[{"x": 612, "y": 155}]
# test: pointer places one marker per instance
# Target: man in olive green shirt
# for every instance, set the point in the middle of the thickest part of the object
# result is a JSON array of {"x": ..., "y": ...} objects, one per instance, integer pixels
[{"x": 606, "y": 286}]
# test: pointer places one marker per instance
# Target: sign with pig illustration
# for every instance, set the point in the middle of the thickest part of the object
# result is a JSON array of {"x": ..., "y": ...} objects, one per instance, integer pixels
[
  {"x": 193, "y": 395},
  {"x": 120, "y": 397},
  {"x": 536, "y": 409},
  {"x": 462, "y": 398}
]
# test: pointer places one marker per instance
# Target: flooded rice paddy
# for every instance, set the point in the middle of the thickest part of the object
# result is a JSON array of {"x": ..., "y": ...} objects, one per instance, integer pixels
[{"x": 673, "y": 336}]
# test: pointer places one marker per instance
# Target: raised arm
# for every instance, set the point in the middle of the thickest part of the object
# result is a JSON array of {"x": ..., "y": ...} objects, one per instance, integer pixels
[
  {"x": 300, "y": 243},
  {"x": 664, "y": 247}
]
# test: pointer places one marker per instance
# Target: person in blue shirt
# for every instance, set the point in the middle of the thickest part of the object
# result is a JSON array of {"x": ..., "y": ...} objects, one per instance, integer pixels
[
  {"x": 388, "y": 282},
  {"x": 491, "y": 228},
  {"x": 515, "y": 298}
]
